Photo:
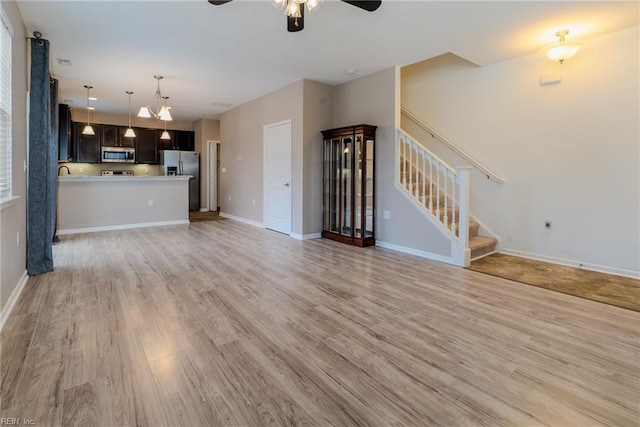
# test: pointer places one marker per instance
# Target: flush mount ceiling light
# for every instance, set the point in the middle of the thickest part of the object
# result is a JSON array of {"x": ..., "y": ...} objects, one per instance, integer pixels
[
  {"x": 88, "y": 130},
  {"x": 162, "y": 110},
  {"x": 129, "y": 133},
  {"x": 562, "y": 50}
]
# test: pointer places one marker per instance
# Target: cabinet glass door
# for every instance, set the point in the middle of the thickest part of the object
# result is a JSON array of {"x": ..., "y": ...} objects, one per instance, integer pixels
[
  {"x": 347, "y": 200},
  {"x": 334, "y": 186},
  {"x": 358, "y": 187},
  {"x": 369, "y": 189}
]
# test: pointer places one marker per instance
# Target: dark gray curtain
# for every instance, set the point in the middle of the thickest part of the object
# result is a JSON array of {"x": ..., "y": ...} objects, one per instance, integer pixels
[{"x": 42, "y": 172}]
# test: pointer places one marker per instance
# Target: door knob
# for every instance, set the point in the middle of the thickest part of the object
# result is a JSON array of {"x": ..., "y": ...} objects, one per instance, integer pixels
[{"x": 287, "y": 184}]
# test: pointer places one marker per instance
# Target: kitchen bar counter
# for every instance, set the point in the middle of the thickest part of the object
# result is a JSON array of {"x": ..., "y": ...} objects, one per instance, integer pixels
[{"x": 101, "y": 203}]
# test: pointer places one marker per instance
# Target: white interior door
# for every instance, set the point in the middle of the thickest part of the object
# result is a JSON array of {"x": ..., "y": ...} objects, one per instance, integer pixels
[
  {"x": 277, "y": 177},
  {"x": 212, "y": 149}
]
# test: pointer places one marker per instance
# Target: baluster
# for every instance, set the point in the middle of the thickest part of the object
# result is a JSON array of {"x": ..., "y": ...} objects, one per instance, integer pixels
[
  {"x": 453, "y": 205},
  {"x": 404, "y": 162},
  {"x": 424, "y": 178},
  {"x": 410, "y": 168},
  {"x": 438, "y": 190},
  {"x": 446, "y": 197},
  {"x": 430, "y": 184}
]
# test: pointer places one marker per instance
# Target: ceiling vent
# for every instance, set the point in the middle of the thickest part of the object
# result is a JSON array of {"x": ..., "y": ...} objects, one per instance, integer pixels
[
  {"x": 63, "y": 61},
  {"x": 221, "y": 104}
]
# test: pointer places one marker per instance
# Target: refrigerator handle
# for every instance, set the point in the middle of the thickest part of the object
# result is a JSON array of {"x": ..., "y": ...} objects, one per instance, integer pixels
[{"x": 180, "y": 166}]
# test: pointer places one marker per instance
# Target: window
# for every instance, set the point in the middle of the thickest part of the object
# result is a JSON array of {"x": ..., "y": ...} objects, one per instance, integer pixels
[{"x": 6, "y": 36}]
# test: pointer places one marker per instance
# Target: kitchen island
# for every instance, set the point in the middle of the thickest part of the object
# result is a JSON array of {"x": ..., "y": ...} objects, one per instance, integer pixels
[{"x": 100, "y": 203}]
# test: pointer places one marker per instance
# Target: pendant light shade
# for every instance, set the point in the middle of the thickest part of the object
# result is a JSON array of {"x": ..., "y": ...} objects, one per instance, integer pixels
[
  {"x": 165, "y": 135},
  {"x": 88, "y": 129},
  {"x": 144, "y": 112},
  {"x": 129, "y": 133}
]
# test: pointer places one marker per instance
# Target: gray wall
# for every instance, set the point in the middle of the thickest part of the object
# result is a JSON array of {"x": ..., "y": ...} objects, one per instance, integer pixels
[
  {"x": 371, "y": 100},
  {"x": 318, "y": 116},
  {"x": 241, "y": 132},
  {"x": 13, "y": 219}
]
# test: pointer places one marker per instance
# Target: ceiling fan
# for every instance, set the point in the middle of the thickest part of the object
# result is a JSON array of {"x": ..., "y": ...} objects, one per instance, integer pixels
[{"x": 294, "y": 9}]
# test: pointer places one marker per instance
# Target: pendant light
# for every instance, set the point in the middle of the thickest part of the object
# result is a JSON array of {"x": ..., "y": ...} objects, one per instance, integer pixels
[
  {"x": 88, "y": 129},
  {"x": 129, "y": 133},
  {"x": 162, "y": 112},
  {"x": 165, "y": 135}
]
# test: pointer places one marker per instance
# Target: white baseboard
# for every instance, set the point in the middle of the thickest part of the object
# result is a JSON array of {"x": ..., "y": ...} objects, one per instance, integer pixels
[
  {"x": 120, "y": 227},
  {"x": 306, "y": 236},
  {"x": 573, "y": 263},
  {"x": 13, "y": 298},
  {"x": 416, "y": 252},
  {"x": 243, "y": 220}
]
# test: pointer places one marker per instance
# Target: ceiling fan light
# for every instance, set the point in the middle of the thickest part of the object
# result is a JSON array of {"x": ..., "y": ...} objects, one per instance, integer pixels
[
  {"x": 293, "y": 9},
  {"x": 280, "y": 4},
  {"x": 88, "y": 130},
  {"x": 165, "y": 135},
  {"x": 144, "y": 112},
  {"x": 130, "y": 133},
  {"x": 164, "y": 114},
  {"x": 313, "y": 5}
]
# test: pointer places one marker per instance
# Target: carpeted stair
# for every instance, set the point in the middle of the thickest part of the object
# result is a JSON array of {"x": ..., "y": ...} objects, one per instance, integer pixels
[{"x": 480, "y": 246}]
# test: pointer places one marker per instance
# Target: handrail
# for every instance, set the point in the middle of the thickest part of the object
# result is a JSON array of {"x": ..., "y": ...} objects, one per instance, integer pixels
[{"x": 434, "y": 134}]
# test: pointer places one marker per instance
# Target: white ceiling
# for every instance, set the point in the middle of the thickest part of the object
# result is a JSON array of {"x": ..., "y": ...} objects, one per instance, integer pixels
[{"x": 240, "y": 51}]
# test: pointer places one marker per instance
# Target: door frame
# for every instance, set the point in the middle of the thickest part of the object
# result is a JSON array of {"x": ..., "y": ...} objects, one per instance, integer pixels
[
  {"x": 264, "y": 170},
  {"x": 210, "y": 168}
]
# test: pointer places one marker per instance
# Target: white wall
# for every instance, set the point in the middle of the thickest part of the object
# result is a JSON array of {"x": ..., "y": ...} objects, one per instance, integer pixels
[
  {"x": 371, "y": 100},
  {"x": 570, "y": 152},
  {"x": 13, "y": 219}
]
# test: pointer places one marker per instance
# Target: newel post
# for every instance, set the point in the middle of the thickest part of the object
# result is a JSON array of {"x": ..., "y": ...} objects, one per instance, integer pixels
[{"x": 463, "y": 172}]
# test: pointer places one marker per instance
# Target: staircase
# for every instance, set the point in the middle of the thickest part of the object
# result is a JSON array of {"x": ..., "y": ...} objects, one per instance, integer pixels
[{"x": 441, "y": 193}]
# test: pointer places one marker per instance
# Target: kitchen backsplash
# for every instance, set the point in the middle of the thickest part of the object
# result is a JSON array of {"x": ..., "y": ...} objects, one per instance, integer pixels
[{"x": 95, "y": 169}]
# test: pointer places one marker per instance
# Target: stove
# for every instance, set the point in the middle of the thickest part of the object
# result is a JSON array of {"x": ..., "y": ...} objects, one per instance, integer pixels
[{"x": 117, "y": 173}]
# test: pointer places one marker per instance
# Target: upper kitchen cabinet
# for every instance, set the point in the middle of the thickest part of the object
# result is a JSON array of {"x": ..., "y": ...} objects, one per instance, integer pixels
[
  {"x": 180, "y": 140},
  {"x": 146, "y": 146},
  {"x": 113, "y": 136},
  {"x": 65, "y": 141},
  {"x": 87, "y": 147}
]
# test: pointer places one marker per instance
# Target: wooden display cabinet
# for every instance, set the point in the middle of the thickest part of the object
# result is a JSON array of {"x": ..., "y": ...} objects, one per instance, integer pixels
[{"x": 349, "y": 185}]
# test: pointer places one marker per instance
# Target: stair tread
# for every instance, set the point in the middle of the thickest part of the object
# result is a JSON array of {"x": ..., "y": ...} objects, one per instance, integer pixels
[{"x": 479, "y": 241}]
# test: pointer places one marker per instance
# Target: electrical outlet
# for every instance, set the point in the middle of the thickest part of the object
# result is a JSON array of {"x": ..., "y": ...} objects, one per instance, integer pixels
[
  {"x": 150, "y": 202},
  {"x": 229, "y": 197},
  {"x": 81, "y": 170},
  {"x": 253, "y": 201},
  {"x": 547, "y": 223},
  {"x": 18, "y": 238},
  {"x": 386, "y": 214},
  {"x": 224, "y": 170}
]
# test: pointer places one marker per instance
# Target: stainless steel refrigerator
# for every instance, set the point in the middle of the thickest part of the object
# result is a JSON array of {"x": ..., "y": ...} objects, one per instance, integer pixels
[{"x": 175, "y": 162}]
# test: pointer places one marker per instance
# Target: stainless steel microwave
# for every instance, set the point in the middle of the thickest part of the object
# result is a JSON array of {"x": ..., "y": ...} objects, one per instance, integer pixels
[{"x": 118, "y": 155}]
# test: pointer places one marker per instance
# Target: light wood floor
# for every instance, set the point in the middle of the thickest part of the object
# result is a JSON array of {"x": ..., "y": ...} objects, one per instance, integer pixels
[{"x": 220, "y": 323}]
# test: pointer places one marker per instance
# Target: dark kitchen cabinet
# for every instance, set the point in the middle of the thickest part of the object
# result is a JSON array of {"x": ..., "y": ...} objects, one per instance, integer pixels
[
  {"x": 109, "y": 135},
  {"x": 147, "y": 146},
  {"x": 65, "y": 141},
  {"x": 87, "y": 147},
  {"x": 113, "y": 136},
  {"x": 185, "y": 140},
  {"x": 180, "y": 140},
  {"x": 125, "y": 141}
]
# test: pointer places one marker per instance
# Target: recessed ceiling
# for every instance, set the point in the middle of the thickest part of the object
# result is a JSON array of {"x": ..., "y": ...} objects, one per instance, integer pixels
[{"x": 214, "y": 56}]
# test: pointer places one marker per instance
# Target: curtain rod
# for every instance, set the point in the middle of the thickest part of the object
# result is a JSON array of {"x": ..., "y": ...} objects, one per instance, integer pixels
[{"x": 37, "y": 35}]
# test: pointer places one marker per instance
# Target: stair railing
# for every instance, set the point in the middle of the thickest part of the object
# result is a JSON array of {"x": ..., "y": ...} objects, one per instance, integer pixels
[
  {"x": 438, "y": 190},
  {"x": 438, "y": 136}
]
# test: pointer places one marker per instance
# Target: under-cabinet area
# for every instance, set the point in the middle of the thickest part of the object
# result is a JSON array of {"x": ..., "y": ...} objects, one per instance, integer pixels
[{"x": 349, "y": 185}]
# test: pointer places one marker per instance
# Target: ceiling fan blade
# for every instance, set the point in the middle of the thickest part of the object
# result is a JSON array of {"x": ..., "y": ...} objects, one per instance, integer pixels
[
  {"x": 218, "y": 2},
  {"x": 368, "y": 5},
  {"x": 296, "y": 24}
]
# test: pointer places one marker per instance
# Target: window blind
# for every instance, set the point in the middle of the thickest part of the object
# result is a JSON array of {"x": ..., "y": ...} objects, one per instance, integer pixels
[{"x": 6, "y": 36}]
